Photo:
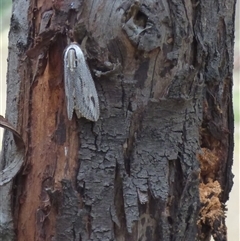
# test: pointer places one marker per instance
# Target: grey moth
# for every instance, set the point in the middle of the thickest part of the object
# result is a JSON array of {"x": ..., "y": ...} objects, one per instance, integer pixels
[{"x": 80, "y": 91}]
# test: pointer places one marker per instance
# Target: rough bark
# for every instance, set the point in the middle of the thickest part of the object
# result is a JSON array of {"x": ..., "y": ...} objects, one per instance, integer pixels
[{"x": 157, "y": 164}]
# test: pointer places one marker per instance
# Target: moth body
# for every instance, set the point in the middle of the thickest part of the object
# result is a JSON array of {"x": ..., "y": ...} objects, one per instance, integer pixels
[{"x": 80, "y": 91}]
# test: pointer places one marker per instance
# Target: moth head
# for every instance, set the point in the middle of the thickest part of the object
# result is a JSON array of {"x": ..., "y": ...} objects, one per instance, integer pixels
[{"x": 72, "y": 59}]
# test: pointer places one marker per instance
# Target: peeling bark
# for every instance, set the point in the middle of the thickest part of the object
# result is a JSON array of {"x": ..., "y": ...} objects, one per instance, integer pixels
[{"x": 162, "y": 147}]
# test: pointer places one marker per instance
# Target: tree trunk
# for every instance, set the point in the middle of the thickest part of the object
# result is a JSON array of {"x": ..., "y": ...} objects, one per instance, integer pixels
[{"x": 157, "y": 163}]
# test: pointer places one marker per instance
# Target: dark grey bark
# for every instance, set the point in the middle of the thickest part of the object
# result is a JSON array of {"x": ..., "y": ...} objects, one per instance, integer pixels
[{"x": 157, "y": 164}]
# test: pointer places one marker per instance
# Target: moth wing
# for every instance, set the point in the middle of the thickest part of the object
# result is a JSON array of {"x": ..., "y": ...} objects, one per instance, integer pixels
[
  {"x": 77, "y": 98},
  {"x": 69, "y": 79},
  {"x": 86, "y": 98}
]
